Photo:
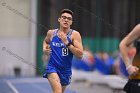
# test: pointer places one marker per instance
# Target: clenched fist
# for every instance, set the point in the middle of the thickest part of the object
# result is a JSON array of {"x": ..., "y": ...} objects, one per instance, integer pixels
[{"x": 47, "y": 50}]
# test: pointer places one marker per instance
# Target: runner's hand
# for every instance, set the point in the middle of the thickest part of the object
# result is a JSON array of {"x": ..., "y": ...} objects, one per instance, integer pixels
[
  {"x": 133, "y": 70},
  {"x": 47, "y": 50}
]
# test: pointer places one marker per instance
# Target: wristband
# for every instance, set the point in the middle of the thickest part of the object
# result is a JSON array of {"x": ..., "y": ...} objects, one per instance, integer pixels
[
  {"x": 128, "y": 67},
  {"x": 68, "y": 44}
]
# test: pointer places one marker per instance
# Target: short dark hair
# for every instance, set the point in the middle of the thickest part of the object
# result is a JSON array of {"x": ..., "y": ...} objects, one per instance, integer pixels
[{"x": 66, "y": 11}]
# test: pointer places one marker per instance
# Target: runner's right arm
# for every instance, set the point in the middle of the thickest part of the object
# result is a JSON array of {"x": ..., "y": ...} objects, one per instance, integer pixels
[{"x": 46, "y": 43}]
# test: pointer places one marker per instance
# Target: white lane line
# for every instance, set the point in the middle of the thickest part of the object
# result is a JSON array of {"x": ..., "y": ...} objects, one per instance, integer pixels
[
  {"x": 29, "y": 80},
  {"x": 12, "y": 87}
]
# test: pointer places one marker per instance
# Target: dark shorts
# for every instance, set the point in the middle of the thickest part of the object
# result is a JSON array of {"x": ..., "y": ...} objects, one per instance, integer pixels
[
  {"x": 65, "y": 79},
  {"x": 132, "y": 86}
]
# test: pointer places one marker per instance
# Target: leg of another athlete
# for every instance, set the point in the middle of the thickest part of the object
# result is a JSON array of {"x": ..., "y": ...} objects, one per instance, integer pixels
[
  {"x": 55, "y": 82},
  {"x": 63, "y": 88}
]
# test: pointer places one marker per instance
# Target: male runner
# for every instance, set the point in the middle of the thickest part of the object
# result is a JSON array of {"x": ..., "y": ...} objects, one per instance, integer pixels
[{"x": 61, "y": 44}]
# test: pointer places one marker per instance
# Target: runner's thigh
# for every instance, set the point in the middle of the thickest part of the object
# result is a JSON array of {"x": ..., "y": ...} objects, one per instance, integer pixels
[{"x": 54, "y": 81}]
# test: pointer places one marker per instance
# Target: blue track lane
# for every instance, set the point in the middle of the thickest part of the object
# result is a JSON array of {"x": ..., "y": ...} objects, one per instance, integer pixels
[{"x": 27, "y": 85}]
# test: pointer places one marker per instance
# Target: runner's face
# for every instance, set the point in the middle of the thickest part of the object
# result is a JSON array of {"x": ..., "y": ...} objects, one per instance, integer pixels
[{"x": 65, "y": 20}]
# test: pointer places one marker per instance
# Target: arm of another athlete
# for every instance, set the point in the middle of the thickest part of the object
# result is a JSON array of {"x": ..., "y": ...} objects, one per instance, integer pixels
[
  {"x": 128, "y": 40},
  {"x": 77, "y": 47},
  {"x": 46, "y": 42}
]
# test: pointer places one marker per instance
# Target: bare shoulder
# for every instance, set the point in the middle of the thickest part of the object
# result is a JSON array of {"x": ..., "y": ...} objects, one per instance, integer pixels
[
  {"x": 49, "y": 35},
  {"x": 138, "y": 25},
  {"x": 136, "y": 30},
  {"x": 50, "y": 32},
  {"x": 133, "y": 35},
  {"x": 76, "y": 33},
  {"x": 76, "y": 36}
]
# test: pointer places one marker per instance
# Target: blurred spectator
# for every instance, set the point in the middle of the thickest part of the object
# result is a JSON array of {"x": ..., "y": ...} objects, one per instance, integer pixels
[
  {"x": 120, "y": 67},
  {"x": 104, "y": 63},
  {"x": 86, "y": 63}
]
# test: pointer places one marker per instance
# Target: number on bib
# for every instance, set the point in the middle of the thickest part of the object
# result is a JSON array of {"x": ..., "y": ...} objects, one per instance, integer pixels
[{"x": 65, "y": 51}]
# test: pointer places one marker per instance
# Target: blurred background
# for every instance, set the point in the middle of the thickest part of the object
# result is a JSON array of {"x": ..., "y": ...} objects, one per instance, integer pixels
[{"x": 102, "y": 24}]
